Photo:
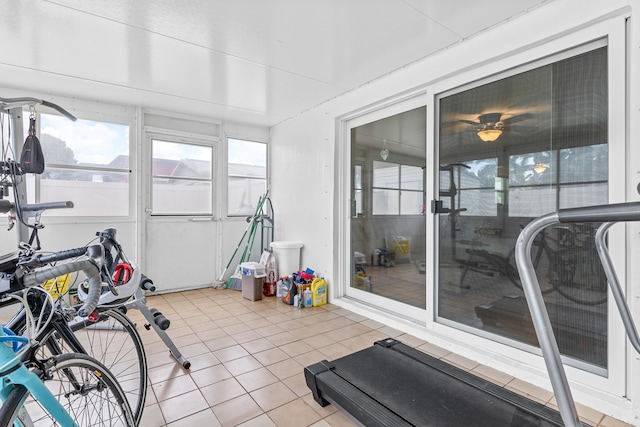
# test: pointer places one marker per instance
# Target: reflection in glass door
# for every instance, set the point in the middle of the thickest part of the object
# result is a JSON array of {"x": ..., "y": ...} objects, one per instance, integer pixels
[
  {"x": 512, "y": 150},
  {"x": 387, "y": 211}
]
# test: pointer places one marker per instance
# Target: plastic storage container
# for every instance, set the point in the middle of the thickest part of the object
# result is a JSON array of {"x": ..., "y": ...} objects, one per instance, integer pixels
[
  {"x": 288, "y": 256},
  {"x": 254, "y": 269}
]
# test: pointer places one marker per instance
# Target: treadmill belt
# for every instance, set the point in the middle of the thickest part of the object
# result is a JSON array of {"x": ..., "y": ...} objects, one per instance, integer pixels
[{"x": 392, "y": 384}]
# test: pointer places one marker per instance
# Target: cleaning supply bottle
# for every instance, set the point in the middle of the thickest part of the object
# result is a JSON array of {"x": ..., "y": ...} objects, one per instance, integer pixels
[
  {"x": 289, "y": 290},
  {"x": 318, "y": 291},
  {"x": 308, "y": 297},
  {"x": 279, "y": 288},
  {"x": 297, "y": 301},
  {"x": 270, "y": 283}
]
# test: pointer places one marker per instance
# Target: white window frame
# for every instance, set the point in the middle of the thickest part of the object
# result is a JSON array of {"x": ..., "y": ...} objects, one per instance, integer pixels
[
  {"x": 178, "y": 138},
  {"x": 84, "y": 110}
]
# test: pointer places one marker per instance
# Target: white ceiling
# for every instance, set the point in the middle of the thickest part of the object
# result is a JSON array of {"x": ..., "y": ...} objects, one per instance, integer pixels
[{"x": 248, "y": 61}]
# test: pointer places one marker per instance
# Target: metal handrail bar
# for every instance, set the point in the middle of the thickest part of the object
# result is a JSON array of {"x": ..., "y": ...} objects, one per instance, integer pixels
[{"x": 620, "y": 212}]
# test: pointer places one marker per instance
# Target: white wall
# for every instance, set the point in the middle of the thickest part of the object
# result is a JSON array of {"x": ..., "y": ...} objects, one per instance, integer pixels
[{"x": 306, "y": 180}]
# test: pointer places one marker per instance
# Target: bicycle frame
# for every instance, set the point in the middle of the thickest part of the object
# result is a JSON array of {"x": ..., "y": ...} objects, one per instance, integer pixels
[
  {"x": 58, "y": 325},
  {"x": 13, "y": 372}
]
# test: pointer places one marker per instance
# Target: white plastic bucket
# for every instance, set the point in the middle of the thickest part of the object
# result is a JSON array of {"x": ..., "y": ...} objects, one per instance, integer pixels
[{"x": 287, "y": 256}]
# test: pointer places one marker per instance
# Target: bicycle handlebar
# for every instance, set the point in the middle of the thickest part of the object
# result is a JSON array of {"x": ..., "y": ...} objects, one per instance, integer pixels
[
  {"x": 43, "y": 259},
  {"x": 34, "y": 207},
  {"x": 90, "y": 266},
  {"x": 7, "y": 205}
]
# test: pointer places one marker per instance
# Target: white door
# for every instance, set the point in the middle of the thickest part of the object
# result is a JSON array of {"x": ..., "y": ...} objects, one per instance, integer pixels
[{"x": 181, "y": 231}]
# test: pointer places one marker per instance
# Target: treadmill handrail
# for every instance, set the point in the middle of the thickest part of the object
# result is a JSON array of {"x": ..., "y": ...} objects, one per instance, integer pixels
[
  {"x": 609, "y": 215},
  {"x": 614, "y": 285}
]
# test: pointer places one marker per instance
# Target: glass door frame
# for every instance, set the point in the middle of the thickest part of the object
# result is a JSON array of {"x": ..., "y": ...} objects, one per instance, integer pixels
[{"x": 343, "y": 164}]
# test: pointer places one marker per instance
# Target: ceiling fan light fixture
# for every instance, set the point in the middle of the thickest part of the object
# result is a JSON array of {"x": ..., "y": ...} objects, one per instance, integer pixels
[
  {"x": 489, "y": 135},
  {"x": 540, "y": 168}
]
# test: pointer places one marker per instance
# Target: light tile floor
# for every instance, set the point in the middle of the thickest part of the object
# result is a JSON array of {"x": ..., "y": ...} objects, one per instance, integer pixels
[{"x": 247, "y": 360}]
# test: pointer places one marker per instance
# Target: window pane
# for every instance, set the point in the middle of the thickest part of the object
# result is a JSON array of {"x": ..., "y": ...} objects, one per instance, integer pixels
[
  {"x": 357, "y": 177},
  {"x": 244, "y": 194},
  {"x": 411, "y": 203},
  {"x": 386, "y": 175},
  {"x": 532, "y": 169},
  {"x": 478, "y": 202},
  {"x": 574, "y": 196},
  {"x": 84, "y": 143},
  {"x": 247, "y": 172},
  {"x": 385, "y": 202},
  {"x": 93, "y": 193},
  {"x": 181, "y": 160},
  {"x": 479, "y": 173},
  {"x": 181, "y": 178},
  {"x": 531, "y": 201},
  {"x": 181, "y": 197},
  {"x": 411, "y": 177},
  {"x": 584, "y": 164},
  {"x": 247, "y": 158}
]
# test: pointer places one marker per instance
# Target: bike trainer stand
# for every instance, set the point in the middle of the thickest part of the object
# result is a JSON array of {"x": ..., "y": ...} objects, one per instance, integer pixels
[{"x": 156, "y": 320}]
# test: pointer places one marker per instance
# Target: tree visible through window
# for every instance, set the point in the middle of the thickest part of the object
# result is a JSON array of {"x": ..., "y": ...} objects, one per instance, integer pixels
[{"x": 86, "y": 162}]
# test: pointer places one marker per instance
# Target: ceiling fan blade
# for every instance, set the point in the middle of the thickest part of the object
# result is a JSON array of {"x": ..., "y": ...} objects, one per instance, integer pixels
[
  {"x": 517, "y": 118},
  {"x": 522, "y": 128},
  {"x": 470, "y": 122},
  {"x": 445, "y": 125}
]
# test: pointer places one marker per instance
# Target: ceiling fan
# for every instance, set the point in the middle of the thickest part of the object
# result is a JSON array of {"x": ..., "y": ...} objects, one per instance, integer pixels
[{"x": 491, "y": 125}]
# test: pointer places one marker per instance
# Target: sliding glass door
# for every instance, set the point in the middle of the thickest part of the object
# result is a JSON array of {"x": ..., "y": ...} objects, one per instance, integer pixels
[
  {"x": 387, "y": 219},
  {"x": 510, "y": 150}
]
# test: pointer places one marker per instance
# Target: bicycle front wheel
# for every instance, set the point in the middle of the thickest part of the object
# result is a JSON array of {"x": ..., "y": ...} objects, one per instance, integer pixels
[
  {"x": 86, "y": 389},
  {"x": 115, "y": 341}
]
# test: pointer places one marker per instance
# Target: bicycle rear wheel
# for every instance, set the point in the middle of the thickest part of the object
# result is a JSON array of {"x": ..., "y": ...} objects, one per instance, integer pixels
[
  {"x": 87, "y": 390},
  {"x": 542, "y": 266},
  {"x": 588, "y": 282}
]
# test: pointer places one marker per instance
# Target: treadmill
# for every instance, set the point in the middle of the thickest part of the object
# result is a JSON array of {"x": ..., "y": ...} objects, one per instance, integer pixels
[{"x": 391, "y": 384}]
